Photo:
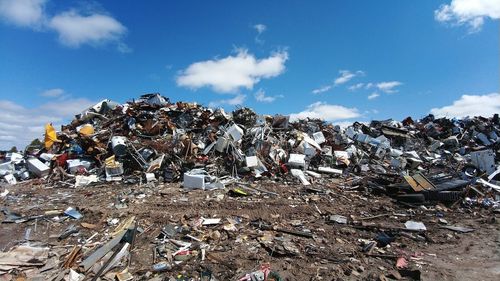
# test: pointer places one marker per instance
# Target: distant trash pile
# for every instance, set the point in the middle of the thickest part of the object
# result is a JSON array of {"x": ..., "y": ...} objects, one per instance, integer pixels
[{"x": 151, "y": 139}]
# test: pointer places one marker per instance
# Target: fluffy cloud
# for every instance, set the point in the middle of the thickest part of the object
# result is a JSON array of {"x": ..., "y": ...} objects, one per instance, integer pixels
[
  {"x": 327, "y": 112},
  {"x": 26, "y": 13},
  {"x": 52, "y": 93},
  {"x": 19, "y": 125},
  {"x": 229, "y": 74},
  {"x": 261, "y": 96},
  {"x": 346, "y": 75},
  {"x": 373, "y": 95},
  {"x": 468, "y": 12},
  {"x": 75, "y": 29},
  {"x": 471, "y": 105},
  {"x": 322, "y": 89},
  {"x": 236, "y": 100},
  {"x": 388, "y": 87}
]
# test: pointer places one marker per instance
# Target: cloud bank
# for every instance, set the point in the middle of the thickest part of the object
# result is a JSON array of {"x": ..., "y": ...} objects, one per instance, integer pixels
[
  {"x": 19, "y": 125},
  {"x": 470, "y": 105}
]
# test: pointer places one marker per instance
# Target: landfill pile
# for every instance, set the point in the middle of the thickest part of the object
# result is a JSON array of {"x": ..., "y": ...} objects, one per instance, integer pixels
[{"x": 177, "y": 191}]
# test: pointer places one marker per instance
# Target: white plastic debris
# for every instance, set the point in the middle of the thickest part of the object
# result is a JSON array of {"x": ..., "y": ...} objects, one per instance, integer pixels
[
  {"x": 37, "y": 167},
  {"x": 297, "y": 160},
  {"x": 300, "y": 175},
  {"x": 85, "y": 180},
  {"x": 47, "y": 157},
  {"x": 75, "y": 276},
  {"x": 221, "y": 144},
  {"x": 415, "y": 225},
  {"x": 10, "y": 179},
  {"x": 311, "y": 142},
  {"x": 252, "y": 161},
  {"x": 7, "y": 168},
  {"x": 319, "y": 137},
  {"x": 485, "y": 183},
  {"x": 338, "y": 219},
  {"x": 328, "y": 170},
  {"x": 341, "y": 154},
  {"x": 484, "y": 160},
  {"x": 308, "y": 149},
  {"x": 200, "y": 179},
  {"x": 194, "y": 181},
  {"x": 235, "y": 132},
  {"x": 4, "y": 193},
  {"x": 150, "y": 177},
  {"x": 313, "y": 174},
  {"x": 210, "y": 221},
  {"x": 14, "y": 157},
  {"x": 76, "y": 164}
]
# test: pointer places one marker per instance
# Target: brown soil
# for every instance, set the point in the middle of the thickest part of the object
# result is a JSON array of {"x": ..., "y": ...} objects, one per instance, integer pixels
[{"x": 334, "y": 252}]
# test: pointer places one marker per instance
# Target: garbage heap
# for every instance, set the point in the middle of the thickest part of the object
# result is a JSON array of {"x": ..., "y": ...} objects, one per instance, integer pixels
[
  {"x": 151, "y": 139},
  {"x": 296, "y": 200}
]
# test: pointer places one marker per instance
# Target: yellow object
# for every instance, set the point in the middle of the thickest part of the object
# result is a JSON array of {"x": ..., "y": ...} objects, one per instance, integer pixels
[
  {"x": 240, "y": 192},
  {"x": 87, "y": 130},
  {"x": 123, "y": 226},
  {"x": 110, "y": 162},
  {"x": 50, "y": 136}
]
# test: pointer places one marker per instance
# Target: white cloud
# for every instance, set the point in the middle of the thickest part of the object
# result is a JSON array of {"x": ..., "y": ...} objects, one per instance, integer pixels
[
  {"x": 75, "y": 29},
  {"x": 471, "y": 105},
  {"x": 260, "y": 28},
  {"x": 346, "y": 76},
  {"x": 52, "y": 93},
  {"x": 373, "y": 96},
  {"x": 26, "y": 13},
  {"x": 388, "y": 87},
  {"x": 260, "y": 96},
  {"x": 19, "y": 125},
  {"x": 229, "y": 74},
  {"x": 236, "y": 100},
  {"x": 468, "y": 12},
  {"x": 356, "y": 87},
  {"x": 327, "y": 112},
  {"x": 322, "y": 89}
]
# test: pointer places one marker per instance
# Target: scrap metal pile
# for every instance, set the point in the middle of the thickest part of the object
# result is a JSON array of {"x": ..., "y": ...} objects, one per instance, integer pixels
[
  {"x": 259, "y": 162},
  {"x": 152, "y": 139}
]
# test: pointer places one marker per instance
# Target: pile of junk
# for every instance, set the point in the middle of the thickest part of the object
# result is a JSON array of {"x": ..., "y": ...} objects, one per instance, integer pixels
[{"x": 154, "y": 140}]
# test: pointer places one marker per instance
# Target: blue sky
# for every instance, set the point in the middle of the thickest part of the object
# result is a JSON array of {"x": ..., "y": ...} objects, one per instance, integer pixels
[{"x": 341, "y": 60}]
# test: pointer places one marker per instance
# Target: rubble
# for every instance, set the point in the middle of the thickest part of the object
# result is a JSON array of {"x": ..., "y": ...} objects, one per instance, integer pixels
[{"x": 156, "y": 189}]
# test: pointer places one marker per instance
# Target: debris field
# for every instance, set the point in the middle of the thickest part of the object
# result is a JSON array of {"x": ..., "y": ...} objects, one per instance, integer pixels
[{"x": 156, "y": 190}]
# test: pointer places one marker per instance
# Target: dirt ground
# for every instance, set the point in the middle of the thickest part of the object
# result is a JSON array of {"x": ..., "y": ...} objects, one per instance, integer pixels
[{"x": 334, "y": 252}]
